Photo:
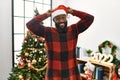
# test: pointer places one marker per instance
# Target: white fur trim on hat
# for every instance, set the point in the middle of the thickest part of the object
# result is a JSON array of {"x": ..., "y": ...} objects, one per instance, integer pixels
[{"x": 58, "y": 12}]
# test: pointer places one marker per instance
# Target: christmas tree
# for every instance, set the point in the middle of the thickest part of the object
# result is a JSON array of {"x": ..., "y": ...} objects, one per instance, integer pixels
[{"x": 32, "y": 59}]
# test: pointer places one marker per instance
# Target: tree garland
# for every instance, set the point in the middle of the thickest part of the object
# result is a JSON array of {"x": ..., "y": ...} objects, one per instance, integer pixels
[
  {"x": 113, "y": 53},
  {"x": 31, "y": 66},
  {"x": 39, "y": 69}
]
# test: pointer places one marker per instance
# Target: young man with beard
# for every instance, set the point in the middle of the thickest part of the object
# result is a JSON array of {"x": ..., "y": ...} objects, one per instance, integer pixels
[{"x": 61, "y": 41}]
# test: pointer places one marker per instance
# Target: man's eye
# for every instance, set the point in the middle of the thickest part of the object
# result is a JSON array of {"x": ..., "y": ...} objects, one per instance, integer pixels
[{"x": 58, "y": 18}]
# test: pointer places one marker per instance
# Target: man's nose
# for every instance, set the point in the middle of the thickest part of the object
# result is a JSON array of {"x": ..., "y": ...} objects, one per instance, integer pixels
[{"x": 61, "y": 20}]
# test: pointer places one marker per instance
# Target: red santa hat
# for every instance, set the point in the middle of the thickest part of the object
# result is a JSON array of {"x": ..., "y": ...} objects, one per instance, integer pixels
[{"x": 61, "y": 9}]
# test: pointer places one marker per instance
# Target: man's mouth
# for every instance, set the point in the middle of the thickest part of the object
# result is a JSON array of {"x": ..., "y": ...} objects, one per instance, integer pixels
[{"x": 62, "y": 25}]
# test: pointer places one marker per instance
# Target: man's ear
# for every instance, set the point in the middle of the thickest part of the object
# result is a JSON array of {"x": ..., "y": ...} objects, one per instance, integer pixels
[{"x": 54, "y": 20}]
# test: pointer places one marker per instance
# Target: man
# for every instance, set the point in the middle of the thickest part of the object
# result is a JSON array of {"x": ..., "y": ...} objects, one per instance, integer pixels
[{"x": 61, "y": 41}]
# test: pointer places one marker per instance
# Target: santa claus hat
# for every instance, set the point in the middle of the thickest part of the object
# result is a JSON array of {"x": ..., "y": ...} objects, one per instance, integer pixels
[{"x": 61, "y": 9}]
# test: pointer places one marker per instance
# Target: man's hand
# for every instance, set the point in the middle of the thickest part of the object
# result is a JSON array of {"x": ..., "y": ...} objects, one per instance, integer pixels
[{"x": 70, "y": 10}]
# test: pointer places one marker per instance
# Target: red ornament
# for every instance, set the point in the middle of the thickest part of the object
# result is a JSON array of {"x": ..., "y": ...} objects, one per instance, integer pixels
[
  {"x": 26, "y": 38},
  {"x": 40, "y": 39},
  {"x": 21, "y": 64},
  {"x": 28, "y": 79}
]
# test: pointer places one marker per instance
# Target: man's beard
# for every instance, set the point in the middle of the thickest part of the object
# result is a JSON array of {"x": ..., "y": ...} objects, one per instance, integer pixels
[{"x": 61, "y": 30}]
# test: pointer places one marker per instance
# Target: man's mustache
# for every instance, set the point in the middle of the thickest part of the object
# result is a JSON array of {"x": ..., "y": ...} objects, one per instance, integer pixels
[{"x": 61, "y": 23}]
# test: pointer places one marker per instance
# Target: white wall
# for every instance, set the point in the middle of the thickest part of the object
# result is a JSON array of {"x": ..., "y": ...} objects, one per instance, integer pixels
[
  {"x": 5, "y": 39},
  {"x": 106, "y": 25}
]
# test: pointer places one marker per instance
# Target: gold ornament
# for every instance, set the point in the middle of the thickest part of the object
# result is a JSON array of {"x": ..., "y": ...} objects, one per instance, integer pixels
[
  {"x": 34, "y": 61},
  {"x": 26, "y": 54},
  {"x": 20, "y": 77}
]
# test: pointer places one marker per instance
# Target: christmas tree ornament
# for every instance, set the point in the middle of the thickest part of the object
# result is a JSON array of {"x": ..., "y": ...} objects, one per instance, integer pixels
[
  {"x": 43, "y": 39},
  {"x": 30, "y": 39},
  {"x": 29, "y": 65},
  {"x": 26, "y": 38},
  {"x": 40, "y": 39},
  {"x": 21, "y": 64},
  {"x": 25, "y": 41},
  {"x": 22, "y": 58},
  {"x": 31, "y": 45},
  {"x": 28, "y": 79},
  {"x": 44, "y": 49},
  {"x": 20, "y": 77},
  {"x": 41, "y": 44},
  {"x": 26, "y": 54},
  {"x": 41, "y": 51},
  {"x": 39, "y": 60},
  {"x": 35, "y": 50},
  {"x": 28, "y": 61},
  {"x": 44, "y": 45},
  {"x": 34, "y": 61},
  {"x": 35, "y": 39}
]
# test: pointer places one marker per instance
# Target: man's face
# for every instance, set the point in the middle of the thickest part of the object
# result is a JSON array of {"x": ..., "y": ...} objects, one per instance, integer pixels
[{"x": 60, "y": 20}]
